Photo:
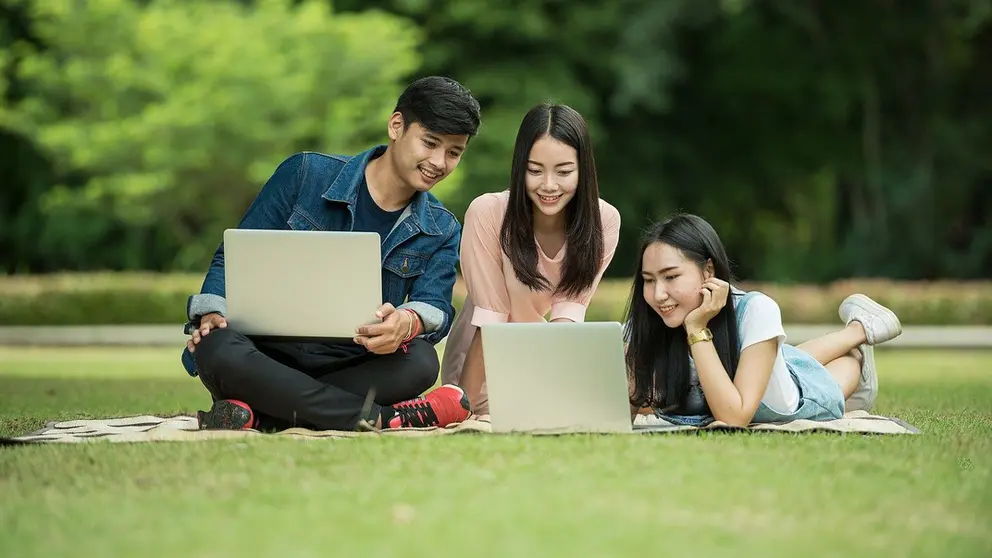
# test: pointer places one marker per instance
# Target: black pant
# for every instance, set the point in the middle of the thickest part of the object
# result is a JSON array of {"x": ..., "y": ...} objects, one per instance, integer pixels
[{"x": 316, "y": 386}]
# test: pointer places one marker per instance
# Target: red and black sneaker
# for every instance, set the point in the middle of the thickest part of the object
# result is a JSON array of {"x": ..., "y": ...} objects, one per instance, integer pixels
[
  {"x": 443, "y": 406},
  {"x": 227, "y": 414}
]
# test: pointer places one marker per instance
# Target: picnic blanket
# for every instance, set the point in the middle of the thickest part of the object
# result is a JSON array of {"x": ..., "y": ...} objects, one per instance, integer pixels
[{"x": 184, "y": 428}]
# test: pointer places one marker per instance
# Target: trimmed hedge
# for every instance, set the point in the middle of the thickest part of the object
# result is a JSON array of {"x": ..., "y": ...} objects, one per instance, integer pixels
[
  {"x": 145, "y": 298},
  {"x": 96, "y": 299}
]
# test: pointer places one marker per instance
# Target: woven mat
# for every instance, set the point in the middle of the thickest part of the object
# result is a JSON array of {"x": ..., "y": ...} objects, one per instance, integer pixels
[
  {"x": 859, "y": 422},
  {"x": 184, "y": 428}
]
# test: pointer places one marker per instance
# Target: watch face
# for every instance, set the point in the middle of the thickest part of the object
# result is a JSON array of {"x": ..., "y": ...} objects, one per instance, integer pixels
[{"x": 703, "y": 335}]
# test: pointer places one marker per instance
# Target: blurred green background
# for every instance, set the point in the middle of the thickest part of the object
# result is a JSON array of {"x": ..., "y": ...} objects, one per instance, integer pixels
[{"x": 824, "y": 139}]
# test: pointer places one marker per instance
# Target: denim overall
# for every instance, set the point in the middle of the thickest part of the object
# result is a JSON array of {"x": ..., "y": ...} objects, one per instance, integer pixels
[{"x": 820, "y": 397}]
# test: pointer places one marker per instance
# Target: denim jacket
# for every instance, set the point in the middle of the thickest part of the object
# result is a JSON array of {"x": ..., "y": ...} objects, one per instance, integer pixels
[{"x": 317, "y": 192}]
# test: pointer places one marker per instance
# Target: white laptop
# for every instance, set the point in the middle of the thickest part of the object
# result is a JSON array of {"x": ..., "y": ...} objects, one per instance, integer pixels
[
  {"x": 556, "y": 377},
  {"x": 302, "y": 284}
]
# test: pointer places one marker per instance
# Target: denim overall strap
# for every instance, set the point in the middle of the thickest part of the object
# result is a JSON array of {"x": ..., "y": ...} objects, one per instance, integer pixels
[
  {"x": 703, "y": 420},
  {"x": 741, "y": 305}
]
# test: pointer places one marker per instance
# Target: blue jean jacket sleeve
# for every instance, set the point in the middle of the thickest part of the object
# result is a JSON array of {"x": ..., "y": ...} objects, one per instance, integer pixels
[
  {"x": 271, "y": 209},
  {"x": 431, "y": 292}
]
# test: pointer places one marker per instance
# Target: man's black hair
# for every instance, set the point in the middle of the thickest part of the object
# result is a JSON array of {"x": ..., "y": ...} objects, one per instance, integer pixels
[{"x": 440, "y": 104}]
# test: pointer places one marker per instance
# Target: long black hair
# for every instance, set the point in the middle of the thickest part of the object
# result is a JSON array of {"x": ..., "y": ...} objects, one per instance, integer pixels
[
  {"x": 583, "y": 224},
  {"x": 657, "y": 355}
]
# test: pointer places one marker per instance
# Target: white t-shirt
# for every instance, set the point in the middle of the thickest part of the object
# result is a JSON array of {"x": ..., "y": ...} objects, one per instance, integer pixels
[{"x": 762, "y": 321}]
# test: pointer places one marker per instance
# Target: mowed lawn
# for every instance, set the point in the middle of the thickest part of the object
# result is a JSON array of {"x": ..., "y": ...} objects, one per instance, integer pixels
[{"x": 758, "y": 494}]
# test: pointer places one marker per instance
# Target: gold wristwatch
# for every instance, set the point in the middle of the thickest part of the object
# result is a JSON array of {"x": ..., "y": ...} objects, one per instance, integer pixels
[{"x": 702, "y": 335}]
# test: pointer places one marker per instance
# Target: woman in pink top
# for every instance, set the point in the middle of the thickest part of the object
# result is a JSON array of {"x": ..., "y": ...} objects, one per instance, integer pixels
[{"x": 540, "y": 247}]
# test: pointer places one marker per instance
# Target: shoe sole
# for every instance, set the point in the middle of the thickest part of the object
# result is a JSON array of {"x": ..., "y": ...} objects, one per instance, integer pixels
[
  {"x": 863, "y": 398},
  {"x": 868, "y": 305},
  {"x": 224, "y": 415}
]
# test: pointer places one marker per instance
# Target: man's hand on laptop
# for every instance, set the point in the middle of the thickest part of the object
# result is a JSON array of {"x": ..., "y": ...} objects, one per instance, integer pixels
[
  {"x": 209, "y": 321},
  {"x": 385, "y": 337}
]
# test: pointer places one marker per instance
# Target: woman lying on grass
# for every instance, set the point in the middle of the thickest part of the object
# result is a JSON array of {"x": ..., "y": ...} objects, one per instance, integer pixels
[{"x": 691, "y": 355}]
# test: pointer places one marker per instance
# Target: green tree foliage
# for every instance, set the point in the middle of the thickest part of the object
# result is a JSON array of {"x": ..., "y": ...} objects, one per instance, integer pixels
[
  {"x": 163, "y": 118},
  {"x": 824, "y": 139}
]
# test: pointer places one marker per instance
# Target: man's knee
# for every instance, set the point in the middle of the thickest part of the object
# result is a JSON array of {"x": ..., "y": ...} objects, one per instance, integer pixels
[
  {"x": 220, "y": 352},
  {"x": 421, "y": 364}
]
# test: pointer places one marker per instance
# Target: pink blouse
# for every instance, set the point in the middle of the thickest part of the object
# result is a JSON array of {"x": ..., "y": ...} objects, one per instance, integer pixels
[{"x": 495, "y": 294}]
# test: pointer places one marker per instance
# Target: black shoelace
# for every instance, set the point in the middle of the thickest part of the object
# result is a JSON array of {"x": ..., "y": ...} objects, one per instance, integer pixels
[{"x": 416, "y": 415}]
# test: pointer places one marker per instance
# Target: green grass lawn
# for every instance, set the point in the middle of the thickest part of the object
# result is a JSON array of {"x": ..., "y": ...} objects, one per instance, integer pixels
[{"x": 759, "y": 494}]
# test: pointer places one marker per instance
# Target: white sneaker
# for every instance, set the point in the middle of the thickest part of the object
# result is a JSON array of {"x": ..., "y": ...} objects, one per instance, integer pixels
[
  {"x": 864, "y": 395},
  {"x": 880, "y": 325}
]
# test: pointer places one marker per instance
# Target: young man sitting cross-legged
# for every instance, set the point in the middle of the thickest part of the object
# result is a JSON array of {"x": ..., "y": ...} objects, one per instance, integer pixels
[{"x": 375, "y": 382}]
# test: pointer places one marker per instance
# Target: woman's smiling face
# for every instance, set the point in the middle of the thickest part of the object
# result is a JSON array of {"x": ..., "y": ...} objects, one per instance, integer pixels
[
  {"x": 672, "y": 283},
  {"x": 552, "y": 175}
]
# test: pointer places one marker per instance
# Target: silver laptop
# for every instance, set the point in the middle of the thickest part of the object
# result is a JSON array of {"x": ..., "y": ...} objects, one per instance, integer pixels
[
  {"x": 302, "y": 284},
  {"x": 556, "y": 377}
]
